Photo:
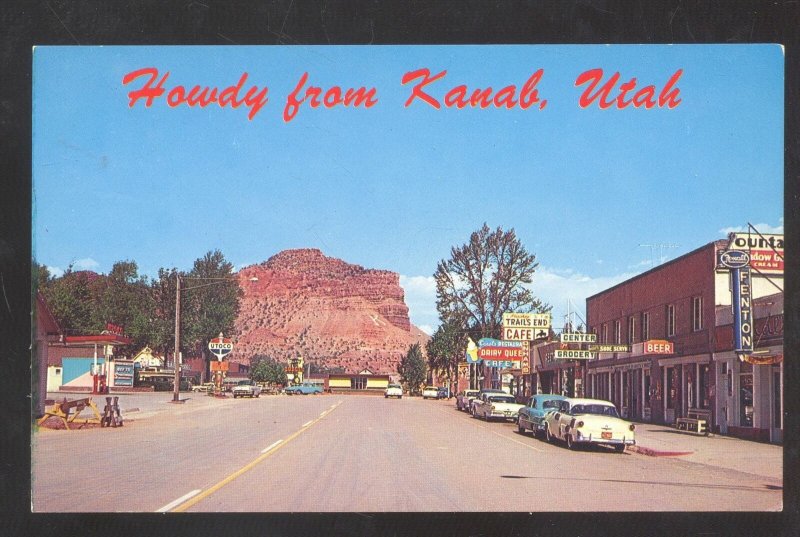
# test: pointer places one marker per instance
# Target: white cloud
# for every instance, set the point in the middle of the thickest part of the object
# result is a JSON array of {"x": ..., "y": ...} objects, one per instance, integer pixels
[
  {"x": 428, "y": 329},
  {"x": 762, "y": 228},
  {"x": 55, "y": 271},
  {"x": 86, "y": 263},
  {"x": 420, "y": 294},
  {"x": 557, "y": 287}
]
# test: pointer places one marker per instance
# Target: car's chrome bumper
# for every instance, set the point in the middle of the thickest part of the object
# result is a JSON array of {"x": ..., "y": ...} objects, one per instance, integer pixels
[{"x": 610, "y": 441}]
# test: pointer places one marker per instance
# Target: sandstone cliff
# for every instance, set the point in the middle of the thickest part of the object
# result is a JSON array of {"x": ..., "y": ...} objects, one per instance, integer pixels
[{"x": 332, "y": 313}]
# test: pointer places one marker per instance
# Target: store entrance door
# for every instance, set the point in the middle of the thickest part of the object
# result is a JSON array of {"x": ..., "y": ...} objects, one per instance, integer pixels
[{"x": 776, "y": 404}]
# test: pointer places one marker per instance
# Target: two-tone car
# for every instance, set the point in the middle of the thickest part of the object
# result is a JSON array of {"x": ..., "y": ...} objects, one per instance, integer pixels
[
  {"x": 589, "y": 421},
  {"x": 246, "y": 388},
  {"x": 305, "y": 388},
  {"x": 497, "y": 406},
  {"x": 431, "y": 392},
  {"x": 531, "y": 416},
  {"x": 463, "y": 399},
  {"x": 479, "y": 398}
]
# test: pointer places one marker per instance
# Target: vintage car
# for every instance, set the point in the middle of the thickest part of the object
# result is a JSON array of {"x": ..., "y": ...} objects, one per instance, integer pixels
[
  {"x": 303, "y": 389},
  {"x": 204, "y": 387},
  {"x": 589, "y": 421},
  {"x": 497, "y": 405},
  {"x": 478, "y": 398},
  {"x": 463, "y": 399},
  {"x": 442, "y": 392},
  {"x": 531, "y": 416},
  {"x": 430, "y": 391},
  {"x": 393, "y": 390},
  {"x": 246, "y": 388}
]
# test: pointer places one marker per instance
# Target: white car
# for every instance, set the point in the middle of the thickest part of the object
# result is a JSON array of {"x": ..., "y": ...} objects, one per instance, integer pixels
[
  {"x": 589, "y": 421},
  {"x": 430, "y": 391},
  {"x": 496, "y": 405},
  {"x": 393, "y": 390},
  {"x": 246, "y": 388},
  {"x": 464, "y": 398}
]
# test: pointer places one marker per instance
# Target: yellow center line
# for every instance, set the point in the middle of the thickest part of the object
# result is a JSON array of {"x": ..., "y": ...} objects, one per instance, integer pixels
[{"x": 214, "y": 488}]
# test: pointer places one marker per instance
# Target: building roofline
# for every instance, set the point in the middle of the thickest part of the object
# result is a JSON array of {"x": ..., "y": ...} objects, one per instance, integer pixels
[{"x": 716, "y": 244}]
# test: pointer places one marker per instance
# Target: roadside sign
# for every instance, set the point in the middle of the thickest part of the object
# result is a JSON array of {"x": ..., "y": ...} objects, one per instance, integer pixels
[
  {"x": 219, "y": 366},
  {"x": 659, "y": 346},
  {"x": 765, "y": 250},
  {"x": 569, "y": 354},
  {"x": 220, "y": 346},
  {"x": 609, "y": 348},
  {"x": 734, "y": 258},
  {"x": 567, "y": 337}
]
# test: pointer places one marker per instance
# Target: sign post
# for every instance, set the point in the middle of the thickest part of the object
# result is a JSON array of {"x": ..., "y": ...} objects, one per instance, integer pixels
[{"x": 219, "y": 347}]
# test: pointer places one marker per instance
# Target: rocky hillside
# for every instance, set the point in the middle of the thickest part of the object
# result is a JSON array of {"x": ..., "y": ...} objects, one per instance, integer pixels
[{"x": 332, "y": 313}]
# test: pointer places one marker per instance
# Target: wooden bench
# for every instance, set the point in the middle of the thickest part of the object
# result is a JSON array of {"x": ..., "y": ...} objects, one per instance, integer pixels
[
  {"x": 696, "y": 421},
  {"x": 68, "y": 411}
]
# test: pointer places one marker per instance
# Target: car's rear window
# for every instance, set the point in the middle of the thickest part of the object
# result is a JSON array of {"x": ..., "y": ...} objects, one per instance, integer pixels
[
  {"x": 601, "y": 410},
  {"x": 502, "y": 399}
]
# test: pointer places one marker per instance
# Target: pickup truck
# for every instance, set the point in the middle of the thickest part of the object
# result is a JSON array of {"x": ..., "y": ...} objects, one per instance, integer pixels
[
  {"x": 246, "y": 388},
  {"x": 495, "y": 405},
  {"x": 303, "y": 389}
]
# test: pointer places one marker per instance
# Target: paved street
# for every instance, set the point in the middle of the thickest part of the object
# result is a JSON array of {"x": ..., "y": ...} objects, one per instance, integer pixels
[{"x": 349, "y": 453}]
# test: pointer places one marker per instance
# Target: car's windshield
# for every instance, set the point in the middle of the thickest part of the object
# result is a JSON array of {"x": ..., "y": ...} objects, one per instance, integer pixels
[
  {"x": 394, "y": 385},
  {"x": 244, "y": 382},
  {"x": 551, "y": 403},
  {"x": 501, "y": 399},
  {"x": 602, "y": 410}
]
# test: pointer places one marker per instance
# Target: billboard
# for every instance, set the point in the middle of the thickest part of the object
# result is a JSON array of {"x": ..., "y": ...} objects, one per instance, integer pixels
[{"x": 766, "y": 250}]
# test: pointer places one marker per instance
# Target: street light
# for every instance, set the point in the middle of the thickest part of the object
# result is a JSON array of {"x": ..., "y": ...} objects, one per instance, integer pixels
[{"x": 176, "y": 359}]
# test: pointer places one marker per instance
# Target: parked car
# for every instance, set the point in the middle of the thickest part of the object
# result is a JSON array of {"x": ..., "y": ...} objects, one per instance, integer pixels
[
  {"x": 442, "y": 392},
  {"x": 589, "y": 421},
  {"x": 495, "y": 405},
  {"x": 463, "y": 399},
  {"x": 430, "y": 391},
  {"x": 246, "y": 388},
  {"x": 393, "y": 390},
  {"x": 204, "y": 388},
  {"x": 477, "y": 399},
  {"x": 531, "y": 416},
  {"x": 303, "y": 389}
]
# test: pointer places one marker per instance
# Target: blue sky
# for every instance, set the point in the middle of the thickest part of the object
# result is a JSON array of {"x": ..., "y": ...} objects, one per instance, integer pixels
[{"x": 395, "y": 187}]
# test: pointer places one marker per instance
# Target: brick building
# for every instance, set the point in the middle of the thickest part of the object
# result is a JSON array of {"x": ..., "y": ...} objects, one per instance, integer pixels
[{"x": 677, "y": 321}]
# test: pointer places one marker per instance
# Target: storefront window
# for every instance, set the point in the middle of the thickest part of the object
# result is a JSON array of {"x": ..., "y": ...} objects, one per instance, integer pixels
[
  {"x": 746, "y": 395},
  {"x": 705, "y": 388},
  {"x": 647, "y": 388},
  {"x": 671, "y": 394},
  {"x": 777, "y": 411}
]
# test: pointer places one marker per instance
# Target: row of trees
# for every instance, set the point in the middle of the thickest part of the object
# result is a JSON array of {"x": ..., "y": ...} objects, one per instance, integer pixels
[
  {"x": 483, "y": 278},
  {"x": 83, "y": 302}
]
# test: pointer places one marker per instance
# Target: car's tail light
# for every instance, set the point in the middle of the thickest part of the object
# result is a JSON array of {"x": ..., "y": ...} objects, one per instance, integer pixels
[
  {"x": 579, "y": 424},
  {"x": 494, "y": 408},
  {"x": 632, "y": 427}
]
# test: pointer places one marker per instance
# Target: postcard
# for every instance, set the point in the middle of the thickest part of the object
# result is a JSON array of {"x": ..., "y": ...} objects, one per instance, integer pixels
[{"x": 408, "y": 278}]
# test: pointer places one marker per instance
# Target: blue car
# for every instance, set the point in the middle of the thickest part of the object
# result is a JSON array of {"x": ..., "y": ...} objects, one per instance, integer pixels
[
  {"x": 303, "y": 389},
  {"x": 531, "y": 416}
]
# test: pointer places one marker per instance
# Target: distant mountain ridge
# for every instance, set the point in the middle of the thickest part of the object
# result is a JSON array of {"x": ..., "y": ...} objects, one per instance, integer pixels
[{"x": 333, "y": 313}]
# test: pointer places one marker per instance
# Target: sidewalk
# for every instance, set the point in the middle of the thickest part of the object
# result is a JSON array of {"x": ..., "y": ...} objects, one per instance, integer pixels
[{"x": 715, "y": 450}]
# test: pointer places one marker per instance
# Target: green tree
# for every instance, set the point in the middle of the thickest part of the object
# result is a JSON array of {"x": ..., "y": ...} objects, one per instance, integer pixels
[
  {"x": 412, "y": 369},
  {"x": 162, "y": 312},
  {"x": 123, "y": 298},
  {"x": 70, "y": 300},
  {"x": 266, "y": 369},
  {"x": 445, "y": 348},
  {"x": 484, "y": 278},
  {"x": 210, "y": 303}
]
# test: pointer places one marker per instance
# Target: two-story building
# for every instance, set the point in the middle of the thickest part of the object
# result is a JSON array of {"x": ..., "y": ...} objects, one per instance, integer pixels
[{"x": 679, "y": 349}]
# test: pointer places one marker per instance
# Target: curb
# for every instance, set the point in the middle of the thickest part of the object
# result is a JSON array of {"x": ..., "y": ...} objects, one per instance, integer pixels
[{"x": 650, "y": 452}]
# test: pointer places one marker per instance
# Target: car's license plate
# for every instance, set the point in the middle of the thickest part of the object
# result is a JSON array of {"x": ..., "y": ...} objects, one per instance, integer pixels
[{"x": 606, "y": 435}]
